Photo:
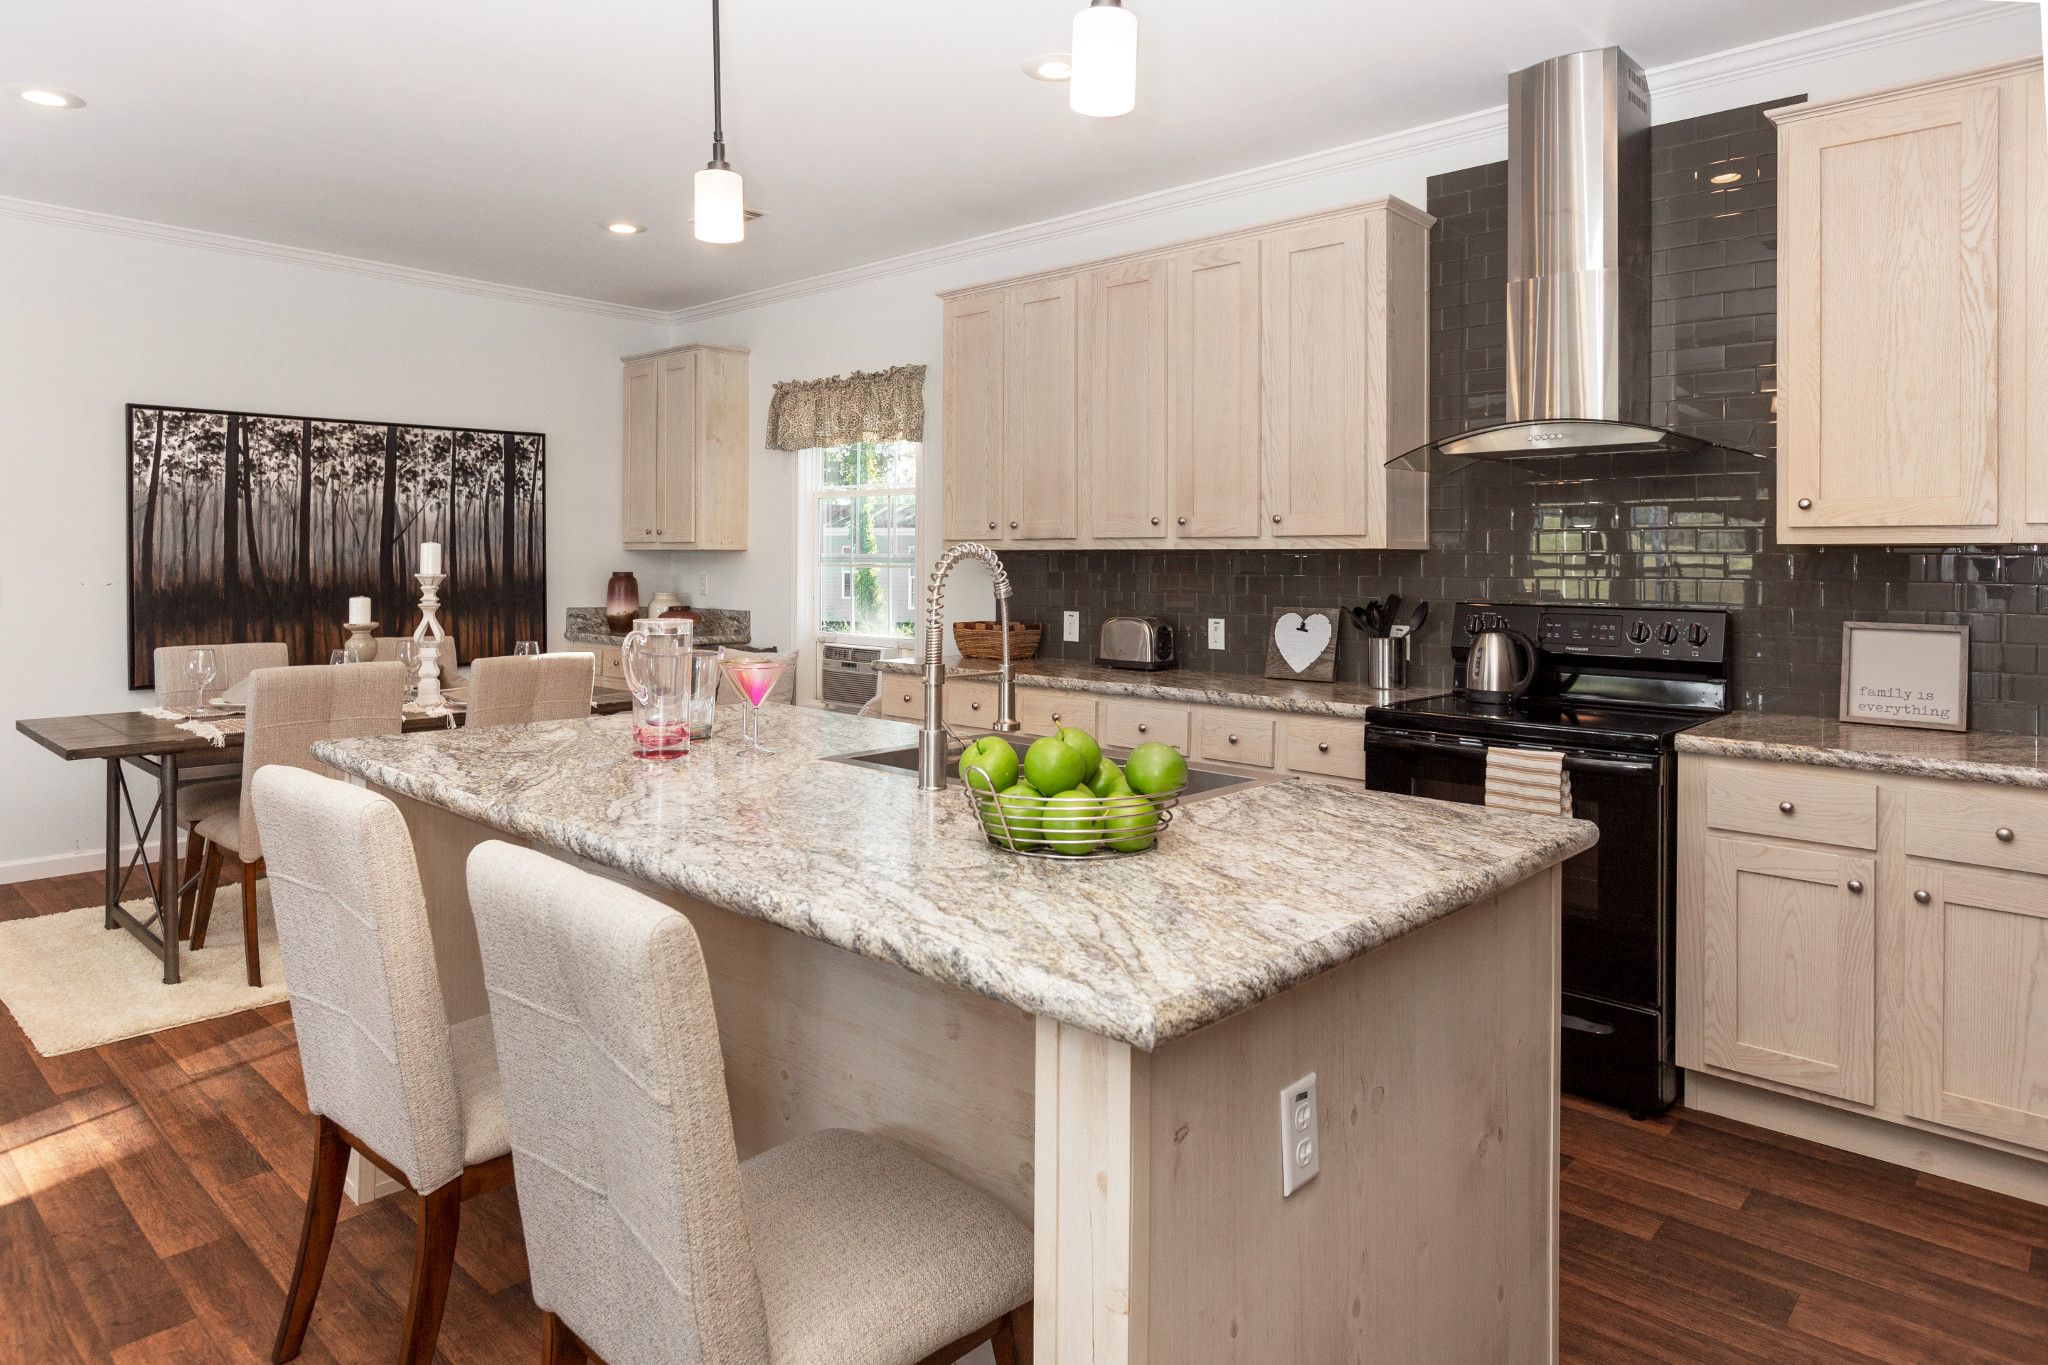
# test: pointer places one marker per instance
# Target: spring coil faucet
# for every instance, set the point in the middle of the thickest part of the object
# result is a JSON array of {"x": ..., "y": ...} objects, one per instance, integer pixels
[{"x": 932, "y": 737}]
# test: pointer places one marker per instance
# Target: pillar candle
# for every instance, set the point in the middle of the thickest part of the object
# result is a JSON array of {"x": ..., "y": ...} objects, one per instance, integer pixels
[
  {"x": 430, "y": 556},
  {"x": 358, "y": 611}
]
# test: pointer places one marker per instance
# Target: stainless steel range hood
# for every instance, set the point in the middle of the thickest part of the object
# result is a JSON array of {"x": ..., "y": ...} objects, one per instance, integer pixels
[{"x": 1578, "y": 294}]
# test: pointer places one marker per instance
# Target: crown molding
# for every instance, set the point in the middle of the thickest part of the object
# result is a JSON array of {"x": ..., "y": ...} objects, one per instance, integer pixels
[
  {"x": 1906, "y": 24},
  {"x": 92, "y": 221}
]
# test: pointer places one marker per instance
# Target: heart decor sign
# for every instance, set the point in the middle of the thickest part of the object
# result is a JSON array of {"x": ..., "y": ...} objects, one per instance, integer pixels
[{"x": 1303, "y": 645}]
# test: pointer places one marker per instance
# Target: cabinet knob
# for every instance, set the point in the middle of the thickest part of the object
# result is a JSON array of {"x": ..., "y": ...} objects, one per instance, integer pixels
[
  {"x": 974, "y": 706},
  {"x": 2004, "y": 835},
  {"x": 906, "y": 696},
  {"x": 1784, "y": 808},
  {"x": 1855, "y": 887},
  {"x": 1922, "y": 897},
  {"x": 1180, "y": 521},
  {"x": 1055, "y": 715},
  {"x": 1143, "y": 728},
  {"x": 992, "y": 525},
  {"x": 1322, "y": 746},
  {"x": 1233, "y": 739},
  {"x": 1805, "y": 504},
  {"x": 1276, "y": 518},
  {"x": 1013, "y": 526},
  {"x": 1155, "y": 521}
]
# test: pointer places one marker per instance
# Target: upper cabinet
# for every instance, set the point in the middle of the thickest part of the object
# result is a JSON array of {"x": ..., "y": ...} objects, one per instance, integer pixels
[
  {"x": 1245, "y": 390},
  {"x": 1911, "y": 274},
  {"x": 685, "y": 456}
]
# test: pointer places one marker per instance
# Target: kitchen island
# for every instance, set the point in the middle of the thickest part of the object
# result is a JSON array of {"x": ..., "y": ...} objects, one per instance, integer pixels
[{"x": 1108, "y": 1048}]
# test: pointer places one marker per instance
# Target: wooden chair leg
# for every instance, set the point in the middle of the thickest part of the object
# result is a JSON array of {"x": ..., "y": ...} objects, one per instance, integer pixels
[
  {"x": 195, "y": 848},
  {"x": 433, "y": 1263},
  {"x": 559, "y": 1345},
  {"x": 251, "y": 953},
  {"x": 323, "y": 1207},
  {"x": 209, "y": 887}
]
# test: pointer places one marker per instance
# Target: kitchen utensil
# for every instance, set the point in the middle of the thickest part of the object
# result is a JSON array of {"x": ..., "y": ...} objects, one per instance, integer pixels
[
  {"x": 1390, "y": 612},
  {"x": 1500, "y": 667},
  {"x": 1360, "y": 617},
  {"x": 1386, "y": 663},
  {"x": 1142, "y": 642},
  {"x": 1404, "y": 629}
]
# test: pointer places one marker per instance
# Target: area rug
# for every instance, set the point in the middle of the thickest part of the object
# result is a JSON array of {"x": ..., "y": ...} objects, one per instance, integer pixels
[{"x": 72, "y": 983}]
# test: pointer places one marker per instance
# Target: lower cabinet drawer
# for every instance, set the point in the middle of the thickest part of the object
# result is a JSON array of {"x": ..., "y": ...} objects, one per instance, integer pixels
[
  {"x": 611, "y": 667},
  {"x": 1127, "y": 724},
  {"x": 1040, "y": 712},
  {"x": 1788, "y": 802},
  {"x": 971, "y": 706},
  {"x": 1235, "y": 737},
  {"x": 1985, "y": 826},
  {"x": 902, "y": 697},
  {"x": 1332, "y": 748}
]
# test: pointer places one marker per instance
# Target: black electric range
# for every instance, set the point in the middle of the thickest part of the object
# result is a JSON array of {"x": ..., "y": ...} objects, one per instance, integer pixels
[{"x": 1611, "y": 689}]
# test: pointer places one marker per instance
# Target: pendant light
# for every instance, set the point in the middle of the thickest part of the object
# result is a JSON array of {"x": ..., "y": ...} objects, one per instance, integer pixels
[
  {"x": 721, "y": 205},
  {"x": 1105, "y": 79}
]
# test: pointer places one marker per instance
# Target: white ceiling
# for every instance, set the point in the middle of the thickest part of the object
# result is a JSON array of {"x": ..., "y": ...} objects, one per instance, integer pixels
[{"x": 492, "y": 138}]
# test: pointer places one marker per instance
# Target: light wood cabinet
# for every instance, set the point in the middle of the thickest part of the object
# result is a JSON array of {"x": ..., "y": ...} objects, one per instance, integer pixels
[
  {"x": 1790, "y": 974},
  {"x": 1123, "y": 400},
  {"x": 1910, "y": 380},
  {"x": 684, "y": 460},
  {"x": 1243, "y": 390}
]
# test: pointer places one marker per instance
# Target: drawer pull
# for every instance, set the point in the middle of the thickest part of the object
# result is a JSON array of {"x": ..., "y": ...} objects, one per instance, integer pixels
[
  {"x": 1784, "y": 808},
  {"x": 1806, "y": 504},
  {"x": 1055, "y": 715},
  {"x": 974, "y": 706},
  {"x": 906, "y": 696},
  {"x": 1322, "y": 746},
  {"x": 992, "y": 525},
  {"x": 1922, "y": 897},
  {"x": 1233, "y": 739},
  {"x": 2004, "y": 835},
  {"x": 1855, "y": 887},
  {"x": 1143, "y": 728}
]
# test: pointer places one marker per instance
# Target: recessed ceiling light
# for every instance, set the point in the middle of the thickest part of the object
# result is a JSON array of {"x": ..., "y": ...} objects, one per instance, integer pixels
[
  {"x": 1050, "y": 66},
  {"x": 622, "y": 228},
  {"x": 52, "y": 99},
  {"x": 1725, "y": 178}
]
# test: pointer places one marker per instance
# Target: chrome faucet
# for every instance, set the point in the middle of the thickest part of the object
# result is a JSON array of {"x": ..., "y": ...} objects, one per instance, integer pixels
[{"x": 932, "y": 758}]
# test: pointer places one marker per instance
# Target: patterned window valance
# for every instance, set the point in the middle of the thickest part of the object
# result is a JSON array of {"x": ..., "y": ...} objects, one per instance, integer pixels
[{"x": 885, "y": 406}]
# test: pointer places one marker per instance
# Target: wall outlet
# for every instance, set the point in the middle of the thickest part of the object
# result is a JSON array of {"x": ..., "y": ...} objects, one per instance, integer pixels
[
  {"x": 703, "y": 597},
  {"x": 1301, "y": 1144},
  {"x": 1215, "y": 632},
  {"x": 1070, "y": 626}
]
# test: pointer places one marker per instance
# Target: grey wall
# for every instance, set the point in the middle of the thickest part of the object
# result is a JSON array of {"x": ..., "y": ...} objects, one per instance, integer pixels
[{"x": 1622, "y": 531}]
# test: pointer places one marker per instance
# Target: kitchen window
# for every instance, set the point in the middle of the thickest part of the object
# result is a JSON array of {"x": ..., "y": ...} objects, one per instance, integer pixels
[{"x": 862, "y": 531}]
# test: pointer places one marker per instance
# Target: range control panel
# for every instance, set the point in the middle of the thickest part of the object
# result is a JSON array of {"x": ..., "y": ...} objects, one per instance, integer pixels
[{"x": 1693, "y": 635}]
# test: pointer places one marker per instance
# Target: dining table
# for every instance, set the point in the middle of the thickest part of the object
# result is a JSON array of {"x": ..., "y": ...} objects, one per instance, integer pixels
[{"x": 157, "y": 746}]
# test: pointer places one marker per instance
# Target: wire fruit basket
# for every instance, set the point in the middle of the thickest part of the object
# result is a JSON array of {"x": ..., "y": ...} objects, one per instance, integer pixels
[{"x": 1072, "y": 829}]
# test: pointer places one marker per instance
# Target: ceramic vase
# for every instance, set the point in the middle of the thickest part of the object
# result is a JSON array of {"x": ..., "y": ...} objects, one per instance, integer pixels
[{"x": 621, "y": 602}]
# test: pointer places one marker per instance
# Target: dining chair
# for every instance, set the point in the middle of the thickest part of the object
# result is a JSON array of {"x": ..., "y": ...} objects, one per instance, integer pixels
[
  {"x": 175, "y": 691},
  {"x": 509, "y": 690},
  {"x": 387, "y": 1075},
  {"x": 289, "y": 709},
  {"x": 647, "y": 1238}
]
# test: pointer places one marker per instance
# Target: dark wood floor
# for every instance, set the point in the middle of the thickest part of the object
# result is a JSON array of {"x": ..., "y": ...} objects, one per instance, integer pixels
[{"x": 150, "y": 1194}]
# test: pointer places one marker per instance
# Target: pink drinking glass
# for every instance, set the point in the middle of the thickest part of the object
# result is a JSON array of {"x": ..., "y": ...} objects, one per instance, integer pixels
[{"x": 755, "y": 679}]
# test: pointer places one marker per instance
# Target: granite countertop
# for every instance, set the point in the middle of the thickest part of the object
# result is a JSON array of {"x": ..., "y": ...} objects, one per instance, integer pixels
[
  {"x": 1348, "y": 701},
  {"x": 715, "y": 626},
  {"x": 1248, "y": 894},
  {"x": 1975, "y": 755}
]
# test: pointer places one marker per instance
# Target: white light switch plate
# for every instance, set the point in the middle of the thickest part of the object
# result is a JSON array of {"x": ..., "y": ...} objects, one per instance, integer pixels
[
  {"x": 1301, "y": 1143},
  {"x": 1215, "y": 632},
  {"x": 1070, "y": 626}
]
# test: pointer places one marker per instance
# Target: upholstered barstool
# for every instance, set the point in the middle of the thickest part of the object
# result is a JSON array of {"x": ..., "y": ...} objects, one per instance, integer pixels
[
  {"x": 386, "y": 1074},
  {"x": 519, "y": 691},
  {"x": 289, "y": 709},
  {"x": 648, "y": 1239},
  {"x": 201, "y": 785}
]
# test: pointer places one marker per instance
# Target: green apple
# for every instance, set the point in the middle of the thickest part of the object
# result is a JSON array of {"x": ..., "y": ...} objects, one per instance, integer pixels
[
  {"x": 1130, "y": 824},
  {"x": 1053, "y": 765},
  {"x": 1154, "y": 768},
  {"x": 1108, "y": 779},
  {"x": 1021, "y": 812},
  {"x": 1073, "y": 822},
  {"x": 992, "y": 758},
  {"x": 1082, "y": 743}
]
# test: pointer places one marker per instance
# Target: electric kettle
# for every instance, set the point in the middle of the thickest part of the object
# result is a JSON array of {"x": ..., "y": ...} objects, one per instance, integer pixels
[{"x": 1500, "y": 667}]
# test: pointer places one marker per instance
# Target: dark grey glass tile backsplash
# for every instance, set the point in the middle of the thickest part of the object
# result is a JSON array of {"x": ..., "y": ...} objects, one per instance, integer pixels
[{"x": 1621, "y": 531}]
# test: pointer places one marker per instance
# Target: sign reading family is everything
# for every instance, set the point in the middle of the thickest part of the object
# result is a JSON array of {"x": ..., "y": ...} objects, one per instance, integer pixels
[{"x": 248, "y": 526}]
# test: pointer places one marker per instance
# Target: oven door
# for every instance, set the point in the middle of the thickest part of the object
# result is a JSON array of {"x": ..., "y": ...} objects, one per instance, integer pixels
[{"x": 1616, "y": 894}]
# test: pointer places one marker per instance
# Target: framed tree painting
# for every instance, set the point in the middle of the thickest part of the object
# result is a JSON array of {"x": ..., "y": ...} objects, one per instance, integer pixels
[{"x": 248, "y": 526}]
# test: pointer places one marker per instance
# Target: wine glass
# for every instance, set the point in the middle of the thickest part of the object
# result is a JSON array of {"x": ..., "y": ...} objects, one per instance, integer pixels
[
  {"x": 409, "y": 655},
  {"x": 202, "y": 666},
  {"x": 525, "y": 648},
  {"x": 338, "y": 658},
  {"x": 755, "y": 679}
]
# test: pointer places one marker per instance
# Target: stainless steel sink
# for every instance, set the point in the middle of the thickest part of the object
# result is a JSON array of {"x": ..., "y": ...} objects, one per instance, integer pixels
[{"x": 1202, "y": 782}]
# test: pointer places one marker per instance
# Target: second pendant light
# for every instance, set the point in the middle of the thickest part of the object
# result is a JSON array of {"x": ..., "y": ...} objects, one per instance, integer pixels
[
  {"x": 1105, "y": 79},
  {"x": 720, "y": 209}
]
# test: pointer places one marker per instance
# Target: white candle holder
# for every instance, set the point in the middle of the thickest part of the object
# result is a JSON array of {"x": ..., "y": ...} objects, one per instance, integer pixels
[
  {"x": 427, "y": 637},
  {"x": 362, "y": 641}
]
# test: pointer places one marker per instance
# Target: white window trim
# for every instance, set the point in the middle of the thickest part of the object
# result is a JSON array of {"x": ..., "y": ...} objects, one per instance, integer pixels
[{"x": 804, "y": 575}]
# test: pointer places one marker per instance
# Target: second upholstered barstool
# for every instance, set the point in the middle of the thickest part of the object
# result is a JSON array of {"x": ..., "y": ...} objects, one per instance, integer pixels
[
  {"x": 520, "y": 691},
  {"x": 649, "y": 1240}
]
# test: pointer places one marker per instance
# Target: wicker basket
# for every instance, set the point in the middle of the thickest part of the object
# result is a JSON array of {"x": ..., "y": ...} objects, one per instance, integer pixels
[{"x": 984, "y": 639}]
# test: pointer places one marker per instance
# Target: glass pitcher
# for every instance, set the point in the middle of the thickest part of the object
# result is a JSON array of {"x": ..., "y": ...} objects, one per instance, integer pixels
[{"x": 657, "y": 660}]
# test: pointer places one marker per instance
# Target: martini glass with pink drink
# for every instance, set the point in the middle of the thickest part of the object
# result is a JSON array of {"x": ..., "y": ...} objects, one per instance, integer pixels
[{"x": 755, "y": 679}]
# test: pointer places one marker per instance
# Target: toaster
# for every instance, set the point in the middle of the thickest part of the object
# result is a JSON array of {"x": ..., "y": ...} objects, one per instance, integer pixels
[{"x": 1136, "y": 642}]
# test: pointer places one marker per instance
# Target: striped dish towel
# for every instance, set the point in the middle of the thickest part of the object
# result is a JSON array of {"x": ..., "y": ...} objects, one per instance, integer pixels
[{"x": 1532, "y": 780}]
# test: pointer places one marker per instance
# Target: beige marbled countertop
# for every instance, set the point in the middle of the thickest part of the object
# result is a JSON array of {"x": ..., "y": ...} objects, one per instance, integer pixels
[
  {"x": 1249, "y": 893},
  {"x": 1346, "y": 701},
  {"x": 1972, "y": 756}
]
